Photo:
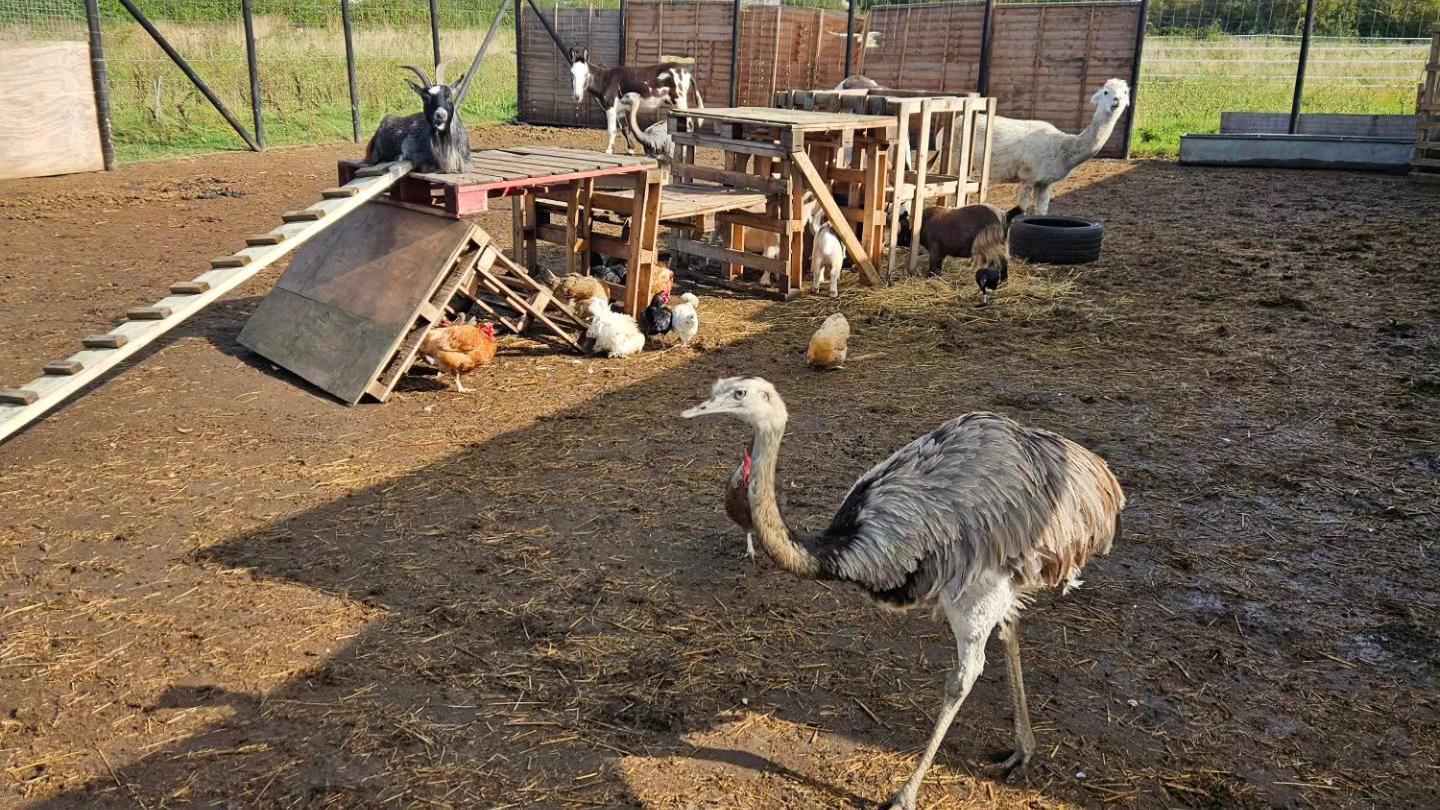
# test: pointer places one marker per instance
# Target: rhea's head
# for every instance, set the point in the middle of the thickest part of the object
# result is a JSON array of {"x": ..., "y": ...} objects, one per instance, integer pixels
[{"x": 752, "y": 400}]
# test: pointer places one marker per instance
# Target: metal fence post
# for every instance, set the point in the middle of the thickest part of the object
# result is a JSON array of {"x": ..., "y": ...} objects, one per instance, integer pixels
[
  {"x": 849, "y": 37},
  {"x": 190, "y": 74},
  {"x": 1300, "y": 68},
  {"x": 435, "y": 30},
  {"x": 253, "y": 62},
  {"x": 1135, "y": 76},
  {"x": 519, "y": 60},
  {"x": 622, "y": 33},
  {"x": 100, "y": 83},
  {"x": 350, "y": 70},
  {"x": 735, "y": 54},
  {"x": 987, "y": 33}
]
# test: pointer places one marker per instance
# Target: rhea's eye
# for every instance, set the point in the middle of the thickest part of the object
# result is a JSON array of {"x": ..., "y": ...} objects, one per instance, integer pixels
[{"x": 740, "y": 394}]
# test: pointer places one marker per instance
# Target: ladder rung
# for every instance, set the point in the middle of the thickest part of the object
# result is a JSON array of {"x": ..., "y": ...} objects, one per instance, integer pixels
[
  {"x": 264, "y": 239},
  {"x": 18, "y": 396},
  {"x": 305, "y": 215},
  {"x": 339, "y": 192},
  {"x": 238, "y": 260},
  {"x": 147, "y": 313},
  {"x": 64, "y": 367},
  {"x": 105, "y": 341},
  {"x": 189, "y": 287}
]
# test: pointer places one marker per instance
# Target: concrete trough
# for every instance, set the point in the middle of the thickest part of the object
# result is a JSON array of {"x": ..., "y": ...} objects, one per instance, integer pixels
[{"x": 1298, "y": 151}]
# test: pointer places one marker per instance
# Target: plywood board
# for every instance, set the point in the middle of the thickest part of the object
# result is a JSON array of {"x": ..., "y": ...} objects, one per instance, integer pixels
[
  {"x": 351, "y": 294},
  {"x": 47, "y": 110}
]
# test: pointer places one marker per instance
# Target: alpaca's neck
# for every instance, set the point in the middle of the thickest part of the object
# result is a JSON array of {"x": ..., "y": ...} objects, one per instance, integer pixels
[
  {"x": 787, "y": 549},
  {"x": 1088, "y": 142}
]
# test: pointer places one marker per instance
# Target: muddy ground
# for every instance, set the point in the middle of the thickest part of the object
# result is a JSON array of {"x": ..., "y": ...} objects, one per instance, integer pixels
[{"x": 219, "y": 587}]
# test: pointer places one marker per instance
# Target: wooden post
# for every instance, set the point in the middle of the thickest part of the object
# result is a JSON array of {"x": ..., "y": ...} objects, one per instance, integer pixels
[
  {"x": 734, "y": 54},
  {"x": 1135, "y": 74},
  {"x": 350, "y": 69},
  {"x": 1300, "y": 68},
  {"x": 252, "y": 62},
  {"x": 987, "y": 33},
  {"x": 902, "y": 150},
  {"x": 100, "y": 84},
  {"x": 435, "y": 31},
  {"x": 917, "y": 209}
]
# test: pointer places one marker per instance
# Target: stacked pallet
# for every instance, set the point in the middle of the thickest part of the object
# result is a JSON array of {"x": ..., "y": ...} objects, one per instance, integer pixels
[{"x": 1425, "y": 167}]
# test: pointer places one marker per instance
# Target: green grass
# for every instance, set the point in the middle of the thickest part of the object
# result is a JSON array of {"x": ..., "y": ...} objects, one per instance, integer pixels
[
  {"x": 305, "y": 98},
  {"x": 1186, "y": 83}
]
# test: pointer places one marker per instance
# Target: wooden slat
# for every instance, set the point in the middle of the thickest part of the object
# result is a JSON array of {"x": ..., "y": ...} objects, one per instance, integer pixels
[
  {"x": 817, "y": 187},
  {"x": 728, "y": 144},
  {"x": 19, "y": 396},
  {"x": 238, "y": 260},
  {"x": 731, "y": 179},
  {"x": 189, "y": 287},
  {"x": 339, "y": 192},
  {"x": 105, "y": 341},
  {"x": 63, "y": 368},
  {"x": 261, "y": 240},
  {"x": 751, "y": 260},
  {"x": 306, "y": 215},
  {"x": 155, "y": 313}
]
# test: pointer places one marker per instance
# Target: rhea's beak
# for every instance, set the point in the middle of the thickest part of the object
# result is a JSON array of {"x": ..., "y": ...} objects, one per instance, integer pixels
[{"x": 707, "y": 408}]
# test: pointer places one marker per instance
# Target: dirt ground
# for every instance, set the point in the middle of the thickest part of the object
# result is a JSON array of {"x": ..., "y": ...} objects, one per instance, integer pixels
[{"x": 219, "y": 587}]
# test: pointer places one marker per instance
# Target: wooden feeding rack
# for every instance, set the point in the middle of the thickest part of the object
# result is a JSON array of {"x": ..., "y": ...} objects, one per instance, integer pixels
[
  {"x": 774, "y": 152},
  {"x": 569, "y": 178},
  {"x": 952, "y": 130},
  {"x": 1425, "y": 166}
]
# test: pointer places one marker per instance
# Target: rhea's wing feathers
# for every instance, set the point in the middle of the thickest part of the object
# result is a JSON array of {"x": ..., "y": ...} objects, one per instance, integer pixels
[{"x": 978, "y": 491}]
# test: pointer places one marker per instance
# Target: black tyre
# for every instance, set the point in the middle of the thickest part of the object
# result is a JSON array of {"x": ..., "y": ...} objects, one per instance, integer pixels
[{"x": 1056, "y": 240}]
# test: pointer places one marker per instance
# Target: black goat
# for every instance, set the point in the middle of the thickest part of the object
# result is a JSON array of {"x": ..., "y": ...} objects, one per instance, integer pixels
[{"x": 434, "y": 139}]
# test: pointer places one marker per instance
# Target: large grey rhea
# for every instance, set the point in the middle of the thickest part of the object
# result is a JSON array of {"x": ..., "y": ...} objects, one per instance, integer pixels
[{"x": 974, "y": 517}]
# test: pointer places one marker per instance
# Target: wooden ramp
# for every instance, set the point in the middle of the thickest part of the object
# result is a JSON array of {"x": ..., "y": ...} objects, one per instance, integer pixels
[{"x": 20, "y": 406}]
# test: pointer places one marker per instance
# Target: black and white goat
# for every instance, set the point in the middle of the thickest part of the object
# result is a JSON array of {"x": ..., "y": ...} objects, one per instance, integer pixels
[
  {"x": 434, "y": 139},
  {"x": 665, "y": 83}
]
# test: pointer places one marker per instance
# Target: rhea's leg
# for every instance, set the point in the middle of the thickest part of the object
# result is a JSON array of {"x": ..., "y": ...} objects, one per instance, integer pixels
[
  {"x": 1016, "y": 763},
  {"x": 973, "y": 614}
]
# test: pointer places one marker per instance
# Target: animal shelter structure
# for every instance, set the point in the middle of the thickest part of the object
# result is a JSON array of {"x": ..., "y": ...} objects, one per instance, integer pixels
[
  {"x": 1043, "y": 60},
  {"x": 1425, "y": 166}
]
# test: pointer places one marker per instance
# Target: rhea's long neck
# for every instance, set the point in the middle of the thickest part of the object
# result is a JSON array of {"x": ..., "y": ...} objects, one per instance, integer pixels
[{"x": 789, "y": 550}]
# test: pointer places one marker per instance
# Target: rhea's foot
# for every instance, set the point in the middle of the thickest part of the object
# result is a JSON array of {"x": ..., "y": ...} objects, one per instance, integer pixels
[
  {"x": 899, "y": 802},
  {"x": 1010, "y": 765}
]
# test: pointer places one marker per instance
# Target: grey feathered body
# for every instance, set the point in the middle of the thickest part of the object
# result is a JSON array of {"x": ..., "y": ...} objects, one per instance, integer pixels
[
  {"x": 979, "y": 493},
  {"x": 409, "y": 137}
]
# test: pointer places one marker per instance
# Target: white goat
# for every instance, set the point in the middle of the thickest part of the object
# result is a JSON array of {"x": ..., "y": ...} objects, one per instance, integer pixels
[
  {"x": 827, "y": 254},
  {"x": 614, "y": 333},
  {"x": 1037, "y": 155}
]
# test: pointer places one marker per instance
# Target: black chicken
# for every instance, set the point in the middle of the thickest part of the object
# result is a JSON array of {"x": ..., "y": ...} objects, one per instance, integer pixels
[
  {"x": 657, "y": 317},
  {"x": 990, "y": 277}
]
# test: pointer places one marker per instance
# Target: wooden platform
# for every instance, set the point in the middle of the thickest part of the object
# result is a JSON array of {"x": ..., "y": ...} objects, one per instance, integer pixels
[{"x": 499, "y": 173}]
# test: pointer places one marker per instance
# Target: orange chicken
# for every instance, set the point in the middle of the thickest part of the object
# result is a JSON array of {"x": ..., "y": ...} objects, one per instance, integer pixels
[
  {"x": 460, "y": 348},
  {"x": 830, "y": 343}
]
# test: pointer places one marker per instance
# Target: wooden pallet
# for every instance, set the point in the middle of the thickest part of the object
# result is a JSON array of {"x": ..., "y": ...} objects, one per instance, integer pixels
[
  {"x": 1425, "y": 166},
  {"x": 20, "y": 406}
]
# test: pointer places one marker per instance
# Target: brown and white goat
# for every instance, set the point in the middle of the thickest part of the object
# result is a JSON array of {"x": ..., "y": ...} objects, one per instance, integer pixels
[
  {"x": 654, "y": 85},
  {"x": 978, "y": 232}
]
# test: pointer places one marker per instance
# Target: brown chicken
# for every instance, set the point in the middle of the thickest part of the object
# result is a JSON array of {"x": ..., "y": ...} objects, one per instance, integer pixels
[
  {"x": 575, "y": 289},
  {"x": 460, "y": 348},
  {"x": 830, "y": 344}
]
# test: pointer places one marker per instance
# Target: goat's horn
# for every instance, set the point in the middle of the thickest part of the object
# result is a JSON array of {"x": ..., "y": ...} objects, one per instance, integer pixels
[
  {"x": 418, "y": 72},
  {"x": 440, "y": 73}
]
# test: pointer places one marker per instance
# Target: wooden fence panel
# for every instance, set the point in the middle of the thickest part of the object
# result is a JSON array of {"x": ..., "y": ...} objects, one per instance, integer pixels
[
  {"x": 544, "y": 73},
  {"x": 1046, "y": 59},
  {"x": 697, "y": 30}
]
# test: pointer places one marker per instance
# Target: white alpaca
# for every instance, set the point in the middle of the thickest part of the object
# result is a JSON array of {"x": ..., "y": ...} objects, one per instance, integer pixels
[
  {"x": 1037, "y": 155},
  {"x": 614, "y": 333},
  {"x": 827, "y": 255}
]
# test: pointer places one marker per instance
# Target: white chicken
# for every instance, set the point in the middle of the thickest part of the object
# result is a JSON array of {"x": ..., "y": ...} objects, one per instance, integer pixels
[
  {"x": 615, "y": 333},
  {"x": 685, "y": 321}
]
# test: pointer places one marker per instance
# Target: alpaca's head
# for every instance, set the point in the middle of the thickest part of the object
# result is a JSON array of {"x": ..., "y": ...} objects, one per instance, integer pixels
[{"x": 1112, "y": 98}]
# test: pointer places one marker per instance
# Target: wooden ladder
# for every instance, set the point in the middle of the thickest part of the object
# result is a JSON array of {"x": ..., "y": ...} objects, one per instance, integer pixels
[{"x": 62, "y": 378}]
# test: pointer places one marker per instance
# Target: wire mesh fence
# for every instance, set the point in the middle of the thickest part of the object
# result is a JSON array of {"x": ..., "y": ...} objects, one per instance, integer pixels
[{"x": 1201, "y": 58}]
